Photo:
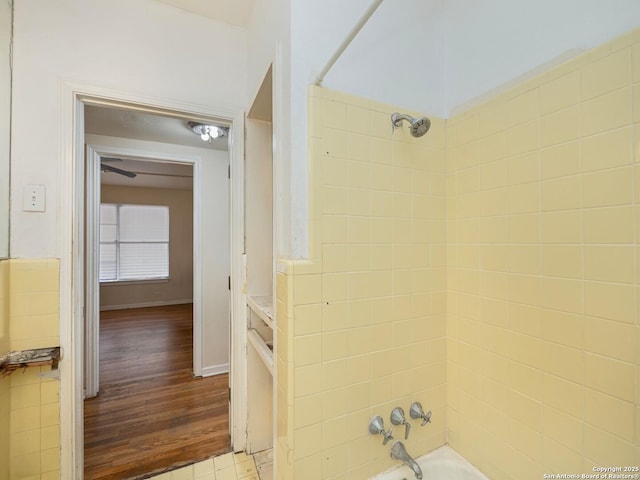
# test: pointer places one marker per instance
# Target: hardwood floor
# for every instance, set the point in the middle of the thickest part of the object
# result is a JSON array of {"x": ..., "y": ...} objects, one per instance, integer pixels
[{"x": 151, "y": 414}]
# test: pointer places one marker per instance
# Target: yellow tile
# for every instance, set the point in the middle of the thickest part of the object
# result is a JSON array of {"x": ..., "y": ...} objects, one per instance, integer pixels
[
  {"x": 359, "y": 229},
  {"x": 524, "y": 289},
  {"x": 23, "y": 443},
  {"x": 560, "y": 160},
  {"x": 523, "y": 168},
  {"x": 306, "y": 380},
  {"x": 203, "y": 468},
  {"x": 382, "y": 177},
  {"x": 334, "y": 142},
  {"x": 560, "y": 458},
  {"x": 563, "y": 328},
  {"x": 610, "y": 414},
  {"x": 334, "y": 229},
  {"x": 50, "y": 437},
  {"x": 226, "y": 474},
  {"x": 333, "y": 171},
  {"x": 619, "y": 225},
  {"x": 636, "y": 103},
  {"x": 222, "y": 462},
  {"x": 359, "y": 169},
  {"x": 50, "y": 415},
  {"x": 526, "y": 319},
  {"x": 24, "y": 419},
  {"x": 522, "y": 138},
  {"x": 609, "y": 263},
  {"x": 564, "y": 429},
  {"x": 562, "y": 294},
  {"x": 608, "y": 187},
  {"x": 525, "y": 380},
  {"x": 526, "y": 439},
  {"x": 308, "y": 319},
  {"x": 358, "y": 120},
  {"x": 562, "y": 227},
  {"x": 334, "y": 345},
  {"x": 609, "y": 376},
  {"x": 561, "y": 194},
  {"x": 562, "y": 394},
  {"x": 334, "y": 403},
  {"x": 334, "y": 114},
  {"x": 635, "y": 56},
  {"x": 308, "y": 350},
  {"x": 334, "y": 462},
  {"x": 523, "y": 108},
  {"x": 524, "y": 349},
  {"x": 24, "y": 466},
  {"x": 24, "y": 396},
  {"x": 562, "y": 261},
  {"x": 607, "y": 112},
  {"x": 335, "y": 200},
  {"x": 559, "y": 127},
  {"x": 524, "y": 228},
  {"x": 492, "y": 118},
  {"x": 609, "y": 300},
  {"x": 605, "y": 75},
  {"x": 381, "y": 150},
  {"x": 334, "y": 287},
  {"x": 524, "y": 198},
  {"x": 607, "y": 150},
  {"x": 560, "y": 93},
  {"x": 606, "y": 449},
  {"x": 563, "y": 361}
]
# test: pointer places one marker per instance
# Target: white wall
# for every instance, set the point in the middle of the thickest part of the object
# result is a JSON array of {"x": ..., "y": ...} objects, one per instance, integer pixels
[
  {"x": 492, "y": 42},
  {"x": 5, "y": 122},
  {"x": 268, "y": 32},
  {"x": 141, "y": 47},
  {"x": 214, "y": 237}
]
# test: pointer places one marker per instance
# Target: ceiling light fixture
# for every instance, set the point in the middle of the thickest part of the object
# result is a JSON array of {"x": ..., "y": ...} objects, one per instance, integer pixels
[{"x": 207, "y": 132}]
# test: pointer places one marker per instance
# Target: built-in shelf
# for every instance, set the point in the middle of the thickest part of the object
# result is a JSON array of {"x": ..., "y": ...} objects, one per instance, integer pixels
[
  {"x": 261, "y": 348},
  {"x": 263, "y": 307},
  {"x": 36, "y": 357}
]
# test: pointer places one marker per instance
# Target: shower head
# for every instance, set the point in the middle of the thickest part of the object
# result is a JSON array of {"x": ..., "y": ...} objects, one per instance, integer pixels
[{"x": 419, "y": 126}]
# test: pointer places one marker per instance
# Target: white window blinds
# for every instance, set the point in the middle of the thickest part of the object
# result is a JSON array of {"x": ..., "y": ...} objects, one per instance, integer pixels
[{"x": 134, "y": 242}]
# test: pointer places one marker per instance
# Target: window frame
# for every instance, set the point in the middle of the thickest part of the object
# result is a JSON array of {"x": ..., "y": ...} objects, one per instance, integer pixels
[{"x": 117, "y": 242}]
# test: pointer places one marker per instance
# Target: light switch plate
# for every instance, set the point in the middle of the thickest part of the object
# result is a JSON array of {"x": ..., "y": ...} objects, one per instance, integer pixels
[{"x": 34, "y": 198}]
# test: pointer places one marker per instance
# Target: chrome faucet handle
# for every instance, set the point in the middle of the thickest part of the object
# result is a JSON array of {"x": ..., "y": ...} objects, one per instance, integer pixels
[
  {"x": 416, "y": 412},
  {"x": 398, "y": 418},
  {"x": 376, "y": 427}
]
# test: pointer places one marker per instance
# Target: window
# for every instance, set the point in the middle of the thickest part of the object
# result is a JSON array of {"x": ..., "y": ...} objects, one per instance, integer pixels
[{"x": 134, "y": 242}]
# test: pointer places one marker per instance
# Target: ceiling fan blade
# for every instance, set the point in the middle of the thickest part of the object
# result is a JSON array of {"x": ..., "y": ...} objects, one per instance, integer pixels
[{"x": 109, "y": 168}]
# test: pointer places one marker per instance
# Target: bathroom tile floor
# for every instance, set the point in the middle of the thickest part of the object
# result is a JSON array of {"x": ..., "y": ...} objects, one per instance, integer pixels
[{"x": 230, "y": 466}]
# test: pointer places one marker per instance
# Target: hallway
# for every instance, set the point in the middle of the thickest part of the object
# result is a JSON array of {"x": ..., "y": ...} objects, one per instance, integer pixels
[{"x": 151, "y": 414}]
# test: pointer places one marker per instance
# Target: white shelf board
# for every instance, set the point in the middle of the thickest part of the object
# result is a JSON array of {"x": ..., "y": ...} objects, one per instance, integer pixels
[
  {"x": 263, "y": 307},
  {"x": 261, "y": 348}
]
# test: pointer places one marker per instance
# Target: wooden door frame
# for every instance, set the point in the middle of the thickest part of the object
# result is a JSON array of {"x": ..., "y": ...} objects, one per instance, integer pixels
[{"x": 73, "y": 98}]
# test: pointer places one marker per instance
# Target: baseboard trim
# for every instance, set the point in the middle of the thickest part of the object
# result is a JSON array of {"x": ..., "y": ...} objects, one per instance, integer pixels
[
  {"x": 215, "y": 370},
  {"x": 161, "y": 303}
]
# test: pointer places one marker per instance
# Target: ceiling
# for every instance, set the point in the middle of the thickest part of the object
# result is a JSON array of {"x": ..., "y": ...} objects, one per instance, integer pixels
[
  {"x": 233, "y": 12},
  {"x": 154, "y": 128}
]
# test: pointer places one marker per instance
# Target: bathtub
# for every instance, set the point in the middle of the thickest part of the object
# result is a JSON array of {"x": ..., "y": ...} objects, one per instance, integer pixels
[{"x": 443, "y": 463}]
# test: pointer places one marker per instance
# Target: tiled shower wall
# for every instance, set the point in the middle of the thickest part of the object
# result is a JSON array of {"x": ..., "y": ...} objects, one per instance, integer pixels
[
  {"x": 543, "y": 268},
  {"x": 361, "y": 327}
]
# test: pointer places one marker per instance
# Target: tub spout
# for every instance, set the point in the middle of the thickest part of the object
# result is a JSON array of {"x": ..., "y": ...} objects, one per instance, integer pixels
[{"x": 398, "y": 452}]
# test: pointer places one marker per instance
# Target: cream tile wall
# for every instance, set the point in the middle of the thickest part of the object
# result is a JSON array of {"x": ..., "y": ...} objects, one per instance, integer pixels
[
  {"x": 543, "y": 221},
  {"x": 4, "y": 382},
  {"x": 361, "y": 326},
  {"x": 33, "y": 393}
]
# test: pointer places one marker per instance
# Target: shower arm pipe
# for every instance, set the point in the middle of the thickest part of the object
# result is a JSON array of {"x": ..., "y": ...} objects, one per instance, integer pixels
[{"x": 345, "y": 43}]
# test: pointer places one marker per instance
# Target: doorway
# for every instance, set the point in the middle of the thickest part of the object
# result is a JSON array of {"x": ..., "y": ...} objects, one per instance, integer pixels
[{"x": 73, "y": 266}]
